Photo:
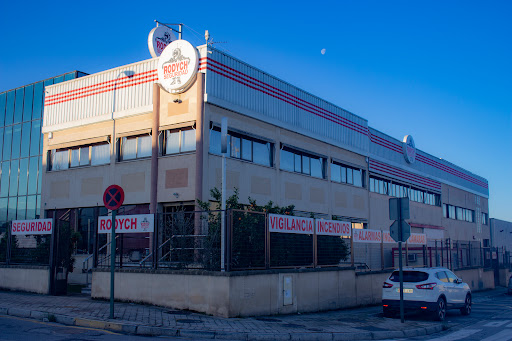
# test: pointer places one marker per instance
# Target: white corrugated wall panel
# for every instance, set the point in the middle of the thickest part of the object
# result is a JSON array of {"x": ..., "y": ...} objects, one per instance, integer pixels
[
  {"x": 241, "y": 87},
  {"x": 89, "y": 99}
]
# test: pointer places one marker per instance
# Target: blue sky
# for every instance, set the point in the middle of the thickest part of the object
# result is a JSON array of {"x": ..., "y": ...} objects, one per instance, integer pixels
[{"x": 439, "y": 70}]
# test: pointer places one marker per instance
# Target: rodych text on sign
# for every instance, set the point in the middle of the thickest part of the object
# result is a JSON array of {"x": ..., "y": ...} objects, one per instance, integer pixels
[{"x": 139, "y": 223}]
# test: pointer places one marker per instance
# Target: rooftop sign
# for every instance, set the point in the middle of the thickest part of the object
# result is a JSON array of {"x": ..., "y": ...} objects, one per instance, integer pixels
[
  {"x": 158, "y": 39},
  {"x": 177, "y": 66},
  {"x": 409, "y": 149}
]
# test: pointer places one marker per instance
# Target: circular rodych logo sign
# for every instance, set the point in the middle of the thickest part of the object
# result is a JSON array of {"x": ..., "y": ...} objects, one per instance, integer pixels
[
  {"x": 158, "y": 39},
  {"x": 177, "y": 66},
  {"x": 409, "y": 149}
]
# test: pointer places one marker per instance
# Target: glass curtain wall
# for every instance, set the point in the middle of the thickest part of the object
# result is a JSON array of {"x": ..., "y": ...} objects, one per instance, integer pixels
[{"x": 21, "y": 114}]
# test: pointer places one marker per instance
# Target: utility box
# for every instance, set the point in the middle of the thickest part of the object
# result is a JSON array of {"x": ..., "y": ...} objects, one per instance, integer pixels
[{"x": 287, "y": 290}]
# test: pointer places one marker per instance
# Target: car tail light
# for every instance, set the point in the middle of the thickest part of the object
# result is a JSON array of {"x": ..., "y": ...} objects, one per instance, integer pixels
[
  {"x": 387, "y": 285},
  {"x": 428, "y": 286}
]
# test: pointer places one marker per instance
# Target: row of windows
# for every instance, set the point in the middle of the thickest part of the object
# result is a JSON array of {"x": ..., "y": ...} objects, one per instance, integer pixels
[
  {"x": 243, "y": 147},
  {"x": 261, "y": 152},
  {"x": 400, "y": 190},
  {"x": 97, "y": 154},
  {"x": 129, "y": 148},
  {"x": 458, "y": 213},
  {"x": 20, "y": 140}
]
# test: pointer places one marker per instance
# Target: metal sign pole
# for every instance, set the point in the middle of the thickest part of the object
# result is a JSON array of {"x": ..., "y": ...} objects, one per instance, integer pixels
[
  {"x": 112, "y": 262},
  {"x": 400, "y": 265}
]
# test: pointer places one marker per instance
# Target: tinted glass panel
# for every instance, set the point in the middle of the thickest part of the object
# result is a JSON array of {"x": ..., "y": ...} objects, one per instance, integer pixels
[
  {"x": 39, "y": 177},
  {"x": 235, "y": 146},
  {"x": 357, "y": 178},
  {"x": 317, "y": 168},
  {"x": 13, "y": 178},
  {"x": 100, "y": 154},
  {"x": 1, "y": 142},
  {"x": 144, "y": 146},
  {"x": 32, "y": 175},
  {"x": 349, "y": 176},
  {"x": 38, "y": 101},
  {"x": 129, "y": 148},
  {"x": 2, "y": 109},
  {"x": 22, "y": 183},
  {"x": 286, "y": 160},
  {"x": 442, "y": 276},
  {"x": 22, "y": 208},
  {"x": 18, "y": 107},
  {"x": 35, "y": 138},
  {"x": 261, "y": 153},
  {"x": 335, "y": 172},
  {"x": 409, "y": 276},
  {"x": 31, "y": 207},
  {"x": 69, "y": 76},
  {"x": 38, "y": 206},
  {"x": 3, "y": 210},
  {"x": 306, "y": 161},
  {"x": 58, "y": 79},
  {"x": 9, "y": 107},
  {"x": 27, "y": 105},
  {"x": 173, "y": 142},
  {"x": 16, "y": 141},
  {"x": 344, "y": 174},
  {"x": 297, "y": 160},
  {"x": 74, "y": 158},
  {"x": 4, "y": 182},
  {"x": 215, "y": 142},
  {"x": 25, "y": 139},
  {"x": 188, "y": 140},
  {"x": 11, "y": 211},
  {"x": 246, "y": 150},
  {"x": 84, "y": 156}
]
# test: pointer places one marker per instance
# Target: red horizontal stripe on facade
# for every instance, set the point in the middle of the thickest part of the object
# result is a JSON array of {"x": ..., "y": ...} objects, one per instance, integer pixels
[
  {"x": 432, "y": 183},
  {"x": 98, "y": 84},
  {"x": 93, "y": 90},
  {"x": 405, "y": 175},
  {"x": 235, "y": 73},
  {"x": 107, "y": 90},
  {"x": 385, "y": 143},
  {"x": 258, "y": 88}
]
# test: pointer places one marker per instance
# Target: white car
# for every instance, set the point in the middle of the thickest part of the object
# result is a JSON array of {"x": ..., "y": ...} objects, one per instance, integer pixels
[{"x": 426, "y": 289}]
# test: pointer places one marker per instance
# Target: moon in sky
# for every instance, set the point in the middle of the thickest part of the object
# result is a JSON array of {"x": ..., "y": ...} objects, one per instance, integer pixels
[{"x": 323, "y": 51}]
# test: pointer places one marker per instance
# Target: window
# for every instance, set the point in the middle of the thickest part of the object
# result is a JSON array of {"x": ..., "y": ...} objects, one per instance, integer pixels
[
  {"x": 301, "y": 162},
  {"x": 94, "y": 155},
  {"x": 247, "y": 148},
  {"x": 395, "y": 189},
  {"x": 135, "y": 147},
  {"x": 178, "y": 141},
  {"x": 441, "y": 275},
  {"x": 459, "y": 213},
  {"x": 347, "y": 174},
  {"x": 484, "y": 218}
]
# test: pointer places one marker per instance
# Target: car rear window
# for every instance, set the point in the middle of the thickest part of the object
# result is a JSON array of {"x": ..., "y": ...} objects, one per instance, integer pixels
[{"x": 409, "y": 276}]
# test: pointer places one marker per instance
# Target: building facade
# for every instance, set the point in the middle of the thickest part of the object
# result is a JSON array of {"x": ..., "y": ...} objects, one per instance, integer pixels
[
  {"x": 21, "y": 113},
  {"x": 285, "y": 146}
]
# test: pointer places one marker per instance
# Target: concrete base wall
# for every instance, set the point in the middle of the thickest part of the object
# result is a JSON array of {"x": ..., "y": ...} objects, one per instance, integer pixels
[
  {"x": 257, "y": 293},
  {"x": 477, "y": 279},
  {"x": 30, "y": 279},
  {"x": 504, "y": 276}
]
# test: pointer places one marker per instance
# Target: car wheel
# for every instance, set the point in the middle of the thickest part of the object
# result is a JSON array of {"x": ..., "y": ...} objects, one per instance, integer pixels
[
  {"x": 466, "y": 310},
  {"x": 440, "y": 313}
]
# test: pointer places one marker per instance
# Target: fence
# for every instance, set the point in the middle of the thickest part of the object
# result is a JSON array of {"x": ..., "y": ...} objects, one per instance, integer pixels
[{"x": 24, "y": 249}]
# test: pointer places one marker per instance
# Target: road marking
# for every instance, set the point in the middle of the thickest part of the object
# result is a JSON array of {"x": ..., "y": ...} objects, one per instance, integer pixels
[
  {"x": 504, "y": 335},
  {"x": 496, "y": 323},
  {"x": 461, "y": 334}
]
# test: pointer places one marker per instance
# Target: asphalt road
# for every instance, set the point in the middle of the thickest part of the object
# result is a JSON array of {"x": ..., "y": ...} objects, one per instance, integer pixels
[{"x": 490, "y": 320}]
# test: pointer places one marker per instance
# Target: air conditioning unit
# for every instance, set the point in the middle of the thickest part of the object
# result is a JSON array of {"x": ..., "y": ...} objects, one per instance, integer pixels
[{"x": 412, "y": 257}]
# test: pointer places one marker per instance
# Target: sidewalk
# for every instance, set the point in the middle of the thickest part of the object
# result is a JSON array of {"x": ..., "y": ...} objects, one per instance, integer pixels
[{"x": 352, "y": 324}]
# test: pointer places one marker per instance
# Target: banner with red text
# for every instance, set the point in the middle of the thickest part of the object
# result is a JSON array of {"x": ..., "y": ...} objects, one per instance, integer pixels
[
  {"x": 34, "y": 226},
  {"x": 333, "y": 227},
  {"x": 138, "y": 223},
  {"x": 417, "y": 238},
  {"x": 367, "y": 236},
  {"x": 289, "y": 224}
]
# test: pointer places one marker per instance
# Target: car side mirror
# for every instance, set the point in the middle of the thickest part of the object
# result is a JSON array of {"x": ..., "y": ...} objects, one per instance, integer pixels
[{"x": 458, "y": 281}]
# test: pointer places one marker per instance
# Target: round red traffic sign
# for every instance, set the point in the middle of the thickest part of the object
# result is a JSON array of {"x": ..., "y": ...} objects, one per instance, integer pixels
[{"x": 113, "y": 197}]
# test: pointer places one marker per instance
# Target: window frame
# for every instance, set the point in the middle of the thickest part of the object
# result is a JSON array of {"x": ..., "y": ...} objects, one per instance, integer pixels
[
  {"x": 164, "y": 140},
  {"x": 121, "y": 145},
  {"x": 297, "y": 153}
]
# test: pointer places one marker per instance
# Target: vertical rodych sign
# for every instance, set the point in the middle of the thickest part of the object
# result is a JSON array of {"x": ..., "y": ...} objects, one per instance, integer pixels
[{"x": 177, "y": 66}]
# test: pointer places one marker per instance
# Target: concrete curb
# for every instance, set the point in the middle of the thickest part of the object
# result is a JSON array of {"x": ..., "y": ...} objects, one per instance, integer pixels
[{"x": 138, "y": 329}]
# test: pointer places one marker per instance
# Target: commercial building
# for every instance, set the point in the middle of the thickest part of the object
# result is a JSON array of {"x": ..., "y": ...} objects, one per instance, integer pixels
[
  {"x": 21, "y": 146},
  {"x": 285, "y": 146}
]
